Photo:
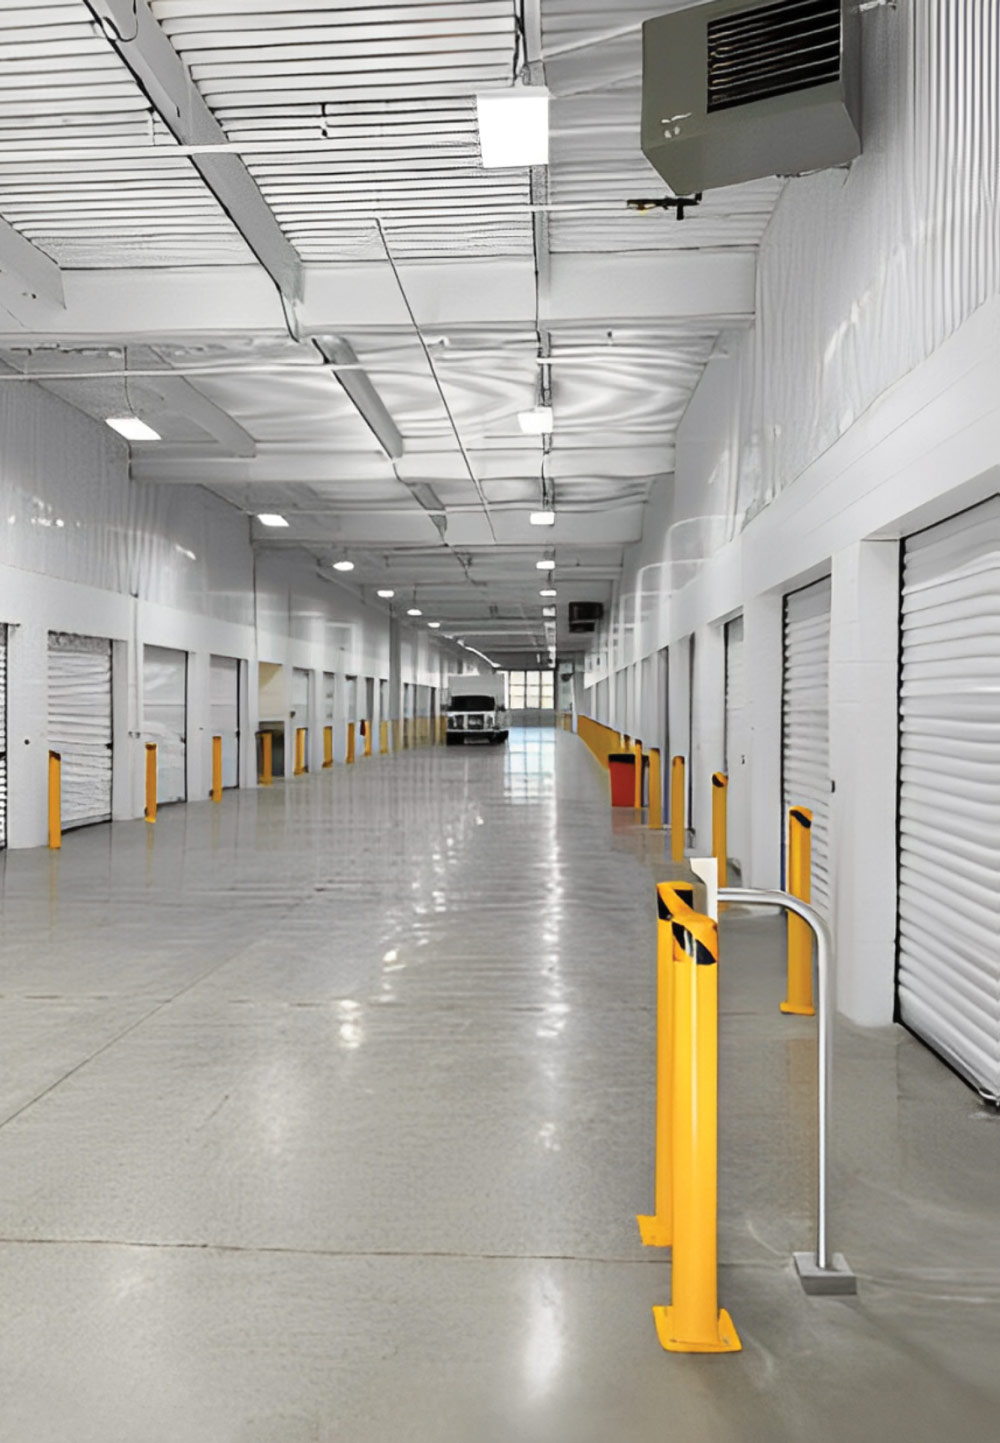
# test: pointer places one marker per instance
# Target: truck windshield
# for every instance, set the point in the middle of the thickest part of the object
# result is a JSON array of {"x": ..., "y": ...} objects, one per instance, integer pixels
[{"x": 472, "y": 702}]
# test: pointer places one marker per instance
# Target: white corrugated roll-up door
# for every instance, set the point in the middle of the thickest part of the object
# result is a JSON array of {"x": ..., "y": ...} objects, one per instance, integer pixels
[
  {"x": 3, "y": 736},
  {"x": 224, "y": 713},
  {"x": 949, "y": 802},
  {"x": 80, "y": 724},
  {"x": 805, "y": 759},
  {"x": 737, "y": 746},
  {"x": 164, "y": 718}
]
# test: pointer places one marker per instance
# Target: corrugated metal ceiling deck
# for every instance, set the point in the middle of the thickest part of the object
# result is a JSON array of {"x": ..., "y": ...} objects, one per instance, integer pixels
[
  {"x": 61, "y": 82},
  {"x": 391, "y": 88}
]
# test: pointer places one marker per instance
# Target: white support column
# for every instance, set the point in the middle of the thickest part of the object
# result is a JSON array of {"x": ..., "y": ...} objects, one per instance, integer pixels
[
  {"x": 679, "y": 700},
  {"x": 864, "y": 660},
  {"x": 708, "y": 742},
  {"x": 199, "y": 726},
  {"x": 27, "y": 736},
  {"x": 314, "y": 739},
  {"x": 762, "y": 660}
]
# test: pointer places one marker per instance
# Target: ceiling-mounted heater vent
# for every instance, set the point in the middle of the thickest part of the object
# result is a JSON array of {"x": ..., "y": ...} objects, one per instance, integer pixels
[
  {"x": 756, "y": 54},
  {"x": 734, "y": 90}
]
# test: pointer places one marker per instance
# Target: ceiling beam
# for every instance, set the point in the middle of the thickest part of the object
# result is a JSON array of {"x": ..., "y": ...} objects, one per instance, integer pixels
[
  {"x": 145, "y": 49},
  {"x": 696, "y": 290},
  {"x": 358, "y": 387},
  {"x": 30, "y": 281}
]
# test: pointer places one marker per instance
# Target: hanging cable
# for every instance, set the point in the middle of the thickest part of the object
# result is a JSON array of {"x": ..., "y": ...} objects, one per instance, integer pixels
[{"x": 437, "y": 382}]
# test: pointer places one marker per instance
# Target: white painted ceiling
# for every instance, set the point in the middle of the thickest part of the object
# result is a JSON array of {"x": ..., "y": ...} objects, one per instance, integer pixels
[{"x": 205, "y": 276}]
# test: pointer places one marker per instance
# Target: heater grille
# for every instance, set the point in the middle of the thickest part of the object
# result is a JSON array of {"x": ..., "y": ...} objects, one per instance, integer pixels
[{"x": 774, "y": 50}]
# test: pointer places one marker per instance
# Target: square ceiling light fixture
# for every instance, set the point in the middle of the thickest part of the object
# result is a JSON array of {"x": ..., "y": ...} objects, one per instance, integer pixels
[
  {"x": 536, "y": 422},
  {"x": 132, "y": 428},
  {"x": 542, "y": 518},
  {"x": 271, "y": 518},
  {"x": 513, "y": 126}
]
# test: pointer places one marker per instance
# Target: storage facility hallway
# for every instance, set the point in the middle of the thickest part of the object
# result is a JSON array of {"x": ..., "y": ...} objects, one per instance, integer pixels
[{"x": 328, "y": 1111}]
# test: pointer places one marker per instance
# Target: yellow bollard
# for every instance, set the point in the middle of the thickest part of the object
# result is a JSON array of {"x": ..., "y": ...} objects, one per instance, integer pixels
[
  {"x": 150, "y": 812},
  {"x": 693, "y": 1322},
  {"x": 350, "y": 742},
  {"x": 216, "y": 769},
  {"x": 677, "y": 799},
  {"x": 55, "y": 801},
  {"x": 397, "y": 736},
  {"x": 656, "y": 1230},
  {"x": 383, "y": 738},
  {"x": 266, "y": 759},
  {"x": 720, "y": 844},
  {"x": 637, "y": 769},
  {"x": 800, "y": 977},
  {"x": 300, "y": 752},
  {"x": 327, "y": 748},
  {"x": 369, "y": 736},
  {"x": 655, "y": 817}
]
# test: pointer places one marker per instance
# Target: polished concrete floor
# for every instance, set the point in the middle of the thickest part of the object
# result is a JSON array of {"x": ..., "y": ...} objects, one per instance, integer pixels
[{"x": 326, "y": 1114}]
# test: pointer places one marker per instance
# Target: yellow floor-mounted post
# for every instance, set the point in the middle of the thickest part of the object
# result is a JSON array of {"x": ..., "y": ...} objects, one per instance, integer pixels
[
  {"x": 350, "y": 742},
  {"x": 637, "y": 751},
  {"x": 720, "y": 842},
  {"x": 369, "y": 736},
  {"x": 55, "y": 801},
  {"x": 656, "y": 1230},
  {"x": 655, "y": 816},
  {"x": 397, "y": 736},
  {"x": 266, "y": 759},
  {"x": 216, "y": 769},
  {"x": 150, "y": 812},
  {"x": 677, "y": 787},
  {"x": 327, "y": 748},
  {"x": 383, "y": 738},
  {"x": 693, "y": 1322},
  {"x": 299, "y": 764},
  {"x": 800, "y": 978}
]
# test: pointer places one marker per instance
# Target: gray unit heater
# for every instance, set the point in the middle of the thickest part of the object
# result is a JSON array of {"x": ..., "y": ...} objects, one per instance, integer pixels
[{"x": 739, "y": 89}]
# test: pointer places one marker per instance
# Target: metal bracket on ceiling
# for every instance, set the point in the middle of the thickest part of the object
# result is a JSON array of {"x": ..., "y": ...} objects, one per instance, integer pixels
[{"x": 677, "y": 203}]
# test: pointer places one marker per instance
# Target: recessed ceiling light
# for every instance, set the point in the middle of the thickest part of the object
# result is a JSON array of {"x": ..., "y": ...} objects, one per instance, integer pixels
[
  {"x": 386, "y": 592},
  {"x": 514, "y": 126},
  {"x": 434, "y": 625},
  {"x": 414, "y": 611},
  {"x": 132, "y": 428},
  {"x": 271, "y": 518},
  {"x": 344, "y": 565},
  {"x": 548, "y": 611},
  {"x": 536, "y": 422},
  {"x": 548, "y": 591},
  {"x": 547, "y": 565},
  {"x": 542, "y": 518}
]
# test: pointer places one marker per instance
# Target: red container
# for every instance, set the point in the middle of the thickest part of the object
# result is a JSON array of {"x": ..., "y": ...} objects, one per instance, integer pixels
[{"x": 621, "y": 766}]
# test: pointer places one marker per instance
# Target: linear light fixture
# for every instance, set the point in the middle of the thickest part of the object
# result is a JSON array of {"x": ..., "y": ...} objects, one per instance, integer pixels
[
  {"x": 513, "y": 126},
  {"x": 542, "y": 518},
  {"x": 414, "y": 611},
  {"x": 536, "y": 422},
  {"x": 132, "y": 428},
  {"x": 547, "y": 565},
  {"x": 343, "y": 565},
  {"x": 386, "y": 593},
  {"x": 271, "y": 518},
  {"x": 548, "y": 591},
  {"x": 434, "y": 625}
]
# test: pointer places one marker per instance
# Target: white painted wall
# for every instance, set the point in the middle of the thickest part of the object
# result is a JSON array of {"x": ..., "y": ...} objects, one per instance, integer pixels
[
  {"x": 862, "y": 405},
  {"x": 87, "y": 551}
]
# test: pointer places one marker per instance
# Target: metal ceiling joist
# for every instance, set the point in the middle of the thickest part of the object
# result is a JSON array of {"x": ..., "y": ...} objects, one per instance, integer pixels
[
  {"x": 140, "y": 42},
  {"x": 366, "y": 399},
  {"x": 27, "y": 276},
  {"x": 181, "y": 396}
]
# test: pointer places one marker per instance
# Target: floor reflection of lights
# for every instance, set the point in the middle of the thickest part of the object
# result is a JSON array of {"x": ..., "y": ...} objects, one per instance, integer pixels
[{"x": 529, "y": 766}]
